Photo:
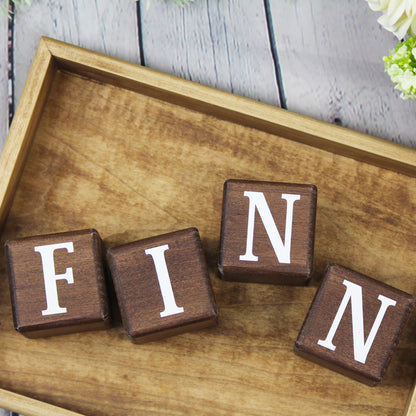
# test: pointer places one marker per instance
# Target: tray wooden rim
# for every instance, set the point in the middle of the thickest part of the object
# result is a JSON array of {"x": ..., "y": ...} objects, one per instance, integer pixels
[{"x": 52, "y": 55}]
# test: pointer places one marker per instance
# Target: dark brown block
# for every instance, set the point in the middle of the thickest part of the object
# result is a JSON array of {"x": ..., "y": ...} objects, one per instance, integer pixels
[
  {"x": 267, "y": 232},
  {"x": 57, "y": 283},
  {"x": 354, "y": 324},
  {"x": 162, "y": 285}
]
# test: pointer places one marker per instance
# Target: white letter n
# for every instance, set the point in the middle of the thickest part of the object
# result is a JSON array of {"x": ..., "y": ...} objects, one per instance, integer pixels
[
  {"x": 282, "y": 251},
  {"x": 158, "y": 255},
  {"x": 50, "y": 277},
  {"x": 361, "y": 347}
]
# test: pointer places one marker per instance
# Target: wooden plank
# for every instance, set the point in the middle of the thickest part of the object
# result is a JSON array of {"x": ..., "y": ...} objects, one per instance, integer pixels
[
  {"x": 237, "y": 109},
  {"x": 109, "y": 27},
  {"x": 411, "y": 403},
  {"x": 27, "y": 406},
  {"x": 4, "y": 105},
  {"x": 221, "y": 44},
  {"x": 332, "y": 69},
  {"x": 24, "y": 124}
]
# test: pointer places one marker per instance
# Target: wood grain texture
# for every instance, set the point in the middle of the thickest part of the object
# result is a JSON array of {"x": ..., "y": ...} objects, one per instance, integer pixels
[
  {"x": 332, "y": 67},
  {"x": 167, "y": 173},
  {"x": 81, "y": 295},
  {"x": 148, "y": 313},
  {"x": 272, "y": 265},
  {"x": 340, "y": 105},
  {"x": 411, "y": 403},
  {"x": 4, "y": 83},
  {"x": 347, "y": 357},
  {"x": 224, "y": 45},
  {"x": 230, "y": 107},
  {"x": 109, "y": 27},
  {"x": 27, "y": 406},
  {"x": 26, "y": 118}
]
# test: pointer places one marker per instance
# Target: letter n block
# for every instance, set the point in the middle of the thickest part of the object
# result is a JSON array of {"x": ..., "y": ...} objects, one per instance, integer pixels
[
  {"x": 162, "y": 285},
  {"x": 267, "y": 232},
  {"x": 354, "y": 324},
  {"x": 57, "y": 284}
]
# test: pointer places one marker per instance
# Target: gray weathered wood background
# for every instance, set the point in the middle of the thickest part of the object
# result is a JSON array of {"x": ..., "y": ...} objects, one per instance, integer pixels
[{"x": 321, "y": 58}]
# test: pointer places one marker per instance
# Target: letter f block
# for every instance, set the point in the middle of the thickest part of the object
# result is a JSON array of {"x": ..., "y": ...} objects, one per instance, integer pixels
[
  {"x": 57, "y": 284},
  {"x": 162, "y": 285},
  {"x": 267, "y": 232},
  {"x": 354, "y": 324}
]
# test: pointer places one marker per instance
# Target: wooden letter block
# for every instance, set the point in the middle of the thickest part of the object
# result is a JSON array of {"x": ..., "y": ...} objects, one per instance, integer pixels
[
  {"x": 162, "y": 285},
  {"x": 354, "y": 324},
  {"x": 57, "y": 284},
  {"x": 267, "y": 232}
]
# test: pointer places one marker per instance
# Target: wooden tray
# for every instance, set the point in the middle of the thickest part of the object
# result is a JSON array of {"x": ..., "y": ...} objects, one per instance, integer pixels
[{"x": 136, "y": 153}]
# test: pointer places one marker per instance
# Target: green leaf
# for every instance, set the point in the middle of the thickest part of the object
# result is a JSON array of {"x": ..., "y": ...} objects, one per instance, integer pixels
[{"x": 400, "y": 65}]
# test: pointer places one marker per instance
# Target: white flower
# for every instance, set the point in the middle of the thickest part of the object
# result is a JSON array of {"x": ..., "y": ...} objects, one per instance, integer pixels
[{"x": 399, "y": 16}]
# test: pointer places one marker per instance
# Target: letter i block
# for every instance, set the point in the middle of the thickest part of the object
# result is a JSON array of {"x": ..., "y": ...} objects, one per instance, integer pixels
[
  {"x": 57, "y": 284},
  {"x": 162, "y": 285},
  {"x": 267, "y": 232},
  {"x": 354, "y": 324}
]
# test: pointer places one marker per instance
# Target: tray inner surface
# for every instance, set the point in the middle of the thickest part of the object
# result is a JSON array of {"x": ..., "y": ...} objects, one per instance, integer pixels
[{"x": 133, "y": 166}]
